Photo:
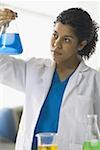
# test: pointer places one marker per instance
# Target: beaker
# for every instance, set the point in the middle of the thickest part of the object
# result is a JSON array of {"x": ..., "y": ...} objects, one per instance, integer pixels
[
  {"x": 10, "y": 42},
  {"x": 47, "y": 141}
]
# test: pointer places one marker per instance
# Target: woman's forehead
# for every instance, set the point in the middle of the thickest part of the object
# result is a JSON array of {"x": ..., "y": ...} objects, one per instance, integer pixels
[{"x": 64, "y": 29}]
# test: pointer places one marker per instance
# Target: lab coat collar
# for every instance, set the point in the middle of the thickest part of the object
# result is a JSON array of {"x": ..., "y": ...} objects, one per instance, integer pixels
[
  {"x": 50, "y": 66},
  {"x": 75, "y": 79},
  {"x": 82, "y": 67}
]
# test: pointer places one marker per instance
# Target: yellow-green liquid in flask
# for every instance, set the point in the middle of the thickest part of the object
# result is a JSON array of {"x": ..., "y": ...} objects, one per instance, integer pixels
[{"x": 91, "y": 145}]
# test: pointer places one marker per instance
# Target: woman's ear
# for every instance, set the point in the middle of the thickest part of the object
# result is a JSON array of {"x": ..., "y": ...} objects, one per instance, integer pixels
[{"x": 82, "y": 44}]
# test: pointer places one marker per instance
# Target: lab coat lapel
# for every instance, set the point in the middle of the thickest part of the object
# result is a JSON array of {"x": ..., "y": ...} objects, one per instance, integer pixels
[
  {"x": 47, "y": 79},
  {"x": 42, "y": 84},
  {"x": 42, "y": 88},
  {"x": 74, "y": 81}
]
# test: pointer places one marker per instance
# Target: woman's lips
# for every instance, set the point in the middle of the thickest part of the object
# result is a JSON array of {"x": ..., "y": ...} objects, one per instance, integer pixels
[{"x": 55, "y": 52}]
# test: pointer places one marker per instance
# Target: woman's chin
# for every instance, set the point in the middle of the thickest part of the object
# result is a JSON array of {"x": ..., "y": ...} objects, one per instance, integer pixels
[{"x": 56, "y": 61}]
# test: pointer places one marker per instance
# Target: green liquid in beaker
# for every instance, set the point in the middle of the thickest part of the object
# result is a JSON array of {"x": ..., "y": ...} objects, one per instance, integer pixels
[{"x": 91, "y": 145}]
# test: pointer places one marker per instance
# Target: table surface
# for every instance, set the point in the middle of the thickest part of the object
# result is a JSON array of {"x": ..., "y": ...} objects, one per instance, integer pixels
[{"x": 7, "y": 146}]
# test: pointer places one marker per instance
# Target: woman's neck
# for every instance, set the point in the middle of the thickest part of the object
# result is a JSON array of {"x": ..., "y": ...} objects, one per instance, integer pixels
[{"x": 64, "y": 69}]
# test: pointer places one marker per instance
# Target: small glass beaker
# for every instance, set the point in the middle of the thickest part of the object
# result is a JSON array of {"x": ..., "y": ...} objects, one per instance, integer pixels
[
  {"x": 47, "y": 141},
  {"x": 10, "y": 42}
]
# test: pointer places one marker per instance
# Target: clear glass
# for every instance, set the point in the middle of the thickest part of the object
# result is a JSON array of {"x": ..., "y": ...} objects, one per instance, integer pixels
[
  {"x": 92, "y": 141},
  {"x": 47, "y": 141},
  {"x": 10, "y": 42}
]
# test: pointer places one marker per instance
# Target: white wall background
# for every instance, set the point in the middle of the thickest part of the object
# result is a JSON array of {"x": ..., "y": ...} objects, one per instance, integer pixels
[{"x": 35, "y": 24}]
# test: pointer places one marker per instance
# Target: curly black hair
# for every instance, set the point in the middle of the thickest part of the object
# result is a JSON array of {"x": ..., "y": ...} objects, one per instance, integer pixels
[{"x": 85, "y": 28}]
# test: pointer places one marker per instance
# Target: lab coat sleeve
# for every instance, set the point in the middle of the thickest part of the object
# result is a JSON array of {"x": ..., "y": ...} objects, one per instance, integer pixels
[
  {"x": 12, "y": 72},
  {"x": 97, "y": 98}
]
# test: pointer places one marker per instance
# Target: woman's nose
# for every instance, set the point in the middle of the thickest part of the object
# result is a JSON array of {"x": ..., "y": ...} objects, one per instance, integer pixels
[{"x": 57, "y": 44}]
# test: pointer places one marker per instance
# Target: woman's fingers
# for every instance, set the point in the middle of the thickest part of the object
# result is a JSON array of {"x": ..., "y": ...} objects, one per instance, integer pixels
[{"x": 6, "y": 15}]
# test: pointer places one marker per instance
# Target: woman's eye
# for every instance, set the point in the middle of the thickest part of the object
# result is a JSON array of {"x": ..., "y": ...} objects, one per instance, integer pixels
[{"x": 67, "y": 40}]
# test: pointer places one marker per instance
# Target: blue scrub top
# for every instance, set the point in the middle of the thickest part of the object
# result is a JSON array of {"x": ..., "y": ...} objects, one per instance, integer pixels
[{"x": 49, "y": 115}]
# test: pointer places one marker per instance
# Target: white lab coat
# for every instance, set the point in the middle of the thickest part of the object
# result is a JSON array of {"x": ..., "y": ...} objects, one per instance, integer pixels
[{"x": 81, "y": 97}]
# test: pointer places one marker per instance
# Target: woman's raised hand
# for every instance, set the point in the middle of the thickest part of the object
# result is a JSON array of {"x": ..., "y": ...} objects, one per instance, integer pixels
[{"x": 6, "y": 15}]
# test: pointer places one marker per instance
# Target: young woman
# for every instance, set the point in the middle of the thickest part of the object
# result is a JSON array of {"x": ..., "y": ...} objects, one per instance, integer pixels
[{"x": 59, "y": 94}]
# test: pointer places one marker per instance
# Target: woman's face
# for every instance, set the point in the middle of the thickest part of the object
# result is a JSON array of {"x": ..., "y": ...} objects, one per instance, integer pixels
[{"x": 64, "y": 43}]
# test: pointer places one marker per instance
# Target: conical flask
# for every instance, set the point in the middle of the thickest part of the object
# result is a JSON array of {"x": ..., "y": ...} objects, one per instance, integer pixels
[
  {"x": 92, "y": 141},
  {"x": 10, "y": 42}
]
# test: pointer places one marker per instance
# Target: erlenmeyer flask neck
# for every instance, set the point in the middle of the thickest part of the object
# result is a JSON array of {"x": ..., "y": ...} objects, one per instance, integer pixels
[
  {"x": 3, "y": 28},
  {"x": 92, "y": 119},
  {"x": 93, "y": 129}
]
